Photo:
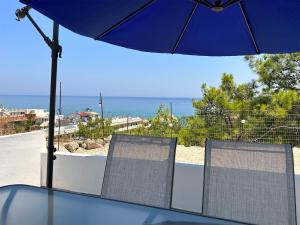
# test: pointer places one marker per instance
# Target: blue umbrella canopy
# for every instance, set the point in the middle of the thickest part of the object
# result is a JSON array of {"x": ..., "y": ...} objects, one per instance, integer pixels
[{"x": 193, "y": 27}]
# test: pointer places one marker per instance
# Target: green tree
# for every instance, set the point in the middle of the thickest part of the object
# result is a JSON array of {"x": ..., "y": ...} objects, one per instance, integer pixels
[
  {"x": 162, "y": 125},
  {"x": 243, "y": 112},
  {"x": 93, "y": 128},
  {"x": 277, "y": 72},
  {"x": 194, "y": 133},
  {"x": 223, "y": 108},
  {"x": 283, "y": 102},
  {"x": 227, "y": 97},
  {"x": 29, "y": 122}
]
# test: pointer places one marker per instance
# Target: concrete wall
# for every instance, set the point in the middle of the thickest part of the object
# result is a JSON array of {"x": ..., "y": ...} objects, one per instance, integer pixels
[
  {"x": 75, "y": 172},
  {"x": 82, "y": 173},
  {"x": 20, "y": 158}
]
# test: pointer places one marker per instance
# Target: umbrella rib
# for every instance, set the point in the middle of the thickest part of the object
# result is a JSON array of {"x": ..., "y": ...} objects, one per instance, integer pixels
[
  {"x": 184, "y": 28},
  {"x": 249, "y": 27},
  {"x": 204, "y": 3},
  {"x": 230, "y": 3},
  {"x": 137, "y": 11}
]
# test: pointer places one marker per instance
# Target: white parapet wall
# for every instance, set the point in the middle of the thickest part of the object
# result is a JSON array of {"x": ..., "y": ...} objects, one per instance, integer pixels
[
  {"x": 84, "y": 174},
  {"x": 75, "y": 172}
]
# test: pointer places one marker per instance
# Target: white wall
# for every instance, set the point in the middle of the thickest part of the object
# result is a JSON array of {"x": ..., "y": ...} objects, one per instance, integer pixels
[
  {"x": 20, "y": 158},
  {"x": 75, "y": 172},
  {"x": 84, "y": 173}
]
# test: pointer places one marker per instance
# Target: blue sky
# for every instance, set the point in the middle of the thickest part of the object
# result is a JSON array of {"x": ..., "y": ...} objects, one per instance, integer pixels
[{"x": 89, "y": 66}]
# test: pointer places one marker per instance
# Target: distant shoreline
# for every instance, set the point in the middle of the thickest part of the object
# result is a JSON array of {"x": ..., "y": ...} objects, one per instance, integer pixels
[
  {"x": 113, "y": 106},
  {"x": 88, "y": 96}
]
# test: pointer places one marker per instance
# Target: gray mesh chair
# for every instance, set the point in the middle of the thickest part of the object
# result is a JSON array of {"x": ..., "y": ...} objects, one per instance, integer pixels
[
  {"x": 140, "y": 170},
  {"x": 247, "y": 182}
]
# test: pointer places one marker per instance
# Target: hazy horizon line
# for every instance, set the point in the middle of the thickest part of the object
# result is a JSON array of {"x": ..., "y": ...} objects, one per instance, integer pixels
[{"x": 104, "y": 96}]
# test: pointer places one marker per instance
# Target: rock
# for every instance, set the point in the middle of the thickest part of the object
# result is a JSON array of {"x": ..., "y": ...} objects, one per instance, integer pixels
[
  {"x": 71, "y": 146},
  {"x": 80, "y": 150},
  {"x": 83, "y": 145},
  {"x": 107, "y": 140},
  {"x": 91, "y": 145},
  {"x": 101, "y": 142}
]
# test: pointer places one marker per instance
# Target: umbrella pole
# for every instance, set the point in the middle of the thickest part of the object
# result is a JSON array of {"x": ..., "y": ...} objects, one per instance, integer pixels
[{"x": 55, "y": 50}]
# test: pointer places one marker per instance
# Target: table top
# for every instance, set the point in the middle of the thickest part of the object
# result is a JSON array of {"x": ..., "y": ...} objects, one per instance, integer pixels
[{"x": 22, "y": 204}]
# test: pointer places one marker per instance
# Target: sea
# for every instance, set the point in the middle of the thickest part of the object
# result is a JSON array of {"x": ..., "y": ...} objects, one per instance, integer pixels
[{"x": 112, "y": 106}]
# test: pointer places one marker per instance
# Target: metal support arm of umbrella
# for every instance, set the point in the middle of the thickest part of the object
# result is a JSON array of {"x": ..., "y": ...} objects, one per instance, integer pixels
[{"x": 56, "y": 51}]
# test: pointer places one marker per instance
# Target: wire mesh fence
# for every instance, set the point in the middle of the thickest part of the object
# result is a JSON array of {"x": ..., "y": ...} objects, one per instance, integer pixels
[
  {"x": 254, "y": 126},
  {"x": 249, "y": 126}
]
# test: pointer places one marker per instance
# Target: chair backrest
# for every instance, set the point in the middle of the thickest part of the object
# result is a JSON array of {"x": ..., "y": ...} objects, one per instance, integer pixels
[
  {"x": 140, "y": 170},
  {"x": 249, "y": 182}
]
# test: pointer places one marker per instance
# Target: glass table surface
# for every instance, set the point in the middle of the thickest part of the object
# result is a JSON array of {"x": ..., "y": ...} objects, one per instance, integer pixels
[{"x": 22, "y": 204}]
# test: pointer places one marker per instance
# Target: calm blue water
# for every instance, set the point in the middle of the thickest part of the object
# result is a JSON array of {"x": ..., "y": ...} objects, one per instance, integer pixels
[{"x": 113, "y": 106}]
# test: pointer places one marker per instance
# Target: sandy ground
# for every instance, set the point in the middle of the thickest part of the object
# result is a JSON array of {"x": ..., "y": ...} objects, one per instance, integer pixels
[{"x": 193, "y": 155}]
